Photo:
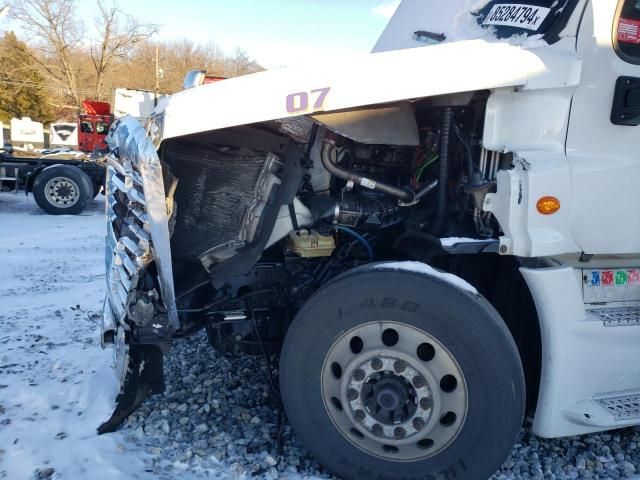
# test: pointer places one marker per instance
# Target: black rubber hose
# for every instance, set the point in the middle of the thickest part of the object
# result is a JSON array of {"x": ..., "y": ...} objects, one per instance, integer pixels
[
  {"x": 406, "y": 196},
  {"x": 443, "y": 173},
  {"x": 468, "y": 149}
]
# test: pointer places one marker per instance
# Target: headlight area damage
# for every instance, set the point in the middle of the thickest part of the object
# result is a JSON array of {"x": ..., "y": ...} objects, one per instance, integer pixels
[{"x": 235, "y": 183}]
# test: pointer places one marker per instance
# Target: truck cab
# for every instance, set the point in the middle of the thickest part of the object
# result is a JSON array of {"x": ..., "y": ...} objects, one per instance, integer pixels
[
  {"x": 435, "y": 237},
  {"x": 93, "y": 126}
]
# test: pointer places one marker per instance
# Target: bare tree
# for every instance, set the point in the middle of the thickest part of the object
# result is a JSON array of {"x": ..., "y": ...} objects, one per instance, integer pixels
[
  {"x": 119, "y": 34},
  {"x": 57, "y": 35},
  {"x": 119, "y": 52}
]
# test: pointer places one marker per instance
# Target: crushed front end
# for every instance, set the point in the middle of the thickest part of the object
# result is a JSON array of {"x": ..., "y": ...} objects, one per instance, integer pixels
[
  {"x": 169, "y": 246},
  {"x": 139, "y": 316}
]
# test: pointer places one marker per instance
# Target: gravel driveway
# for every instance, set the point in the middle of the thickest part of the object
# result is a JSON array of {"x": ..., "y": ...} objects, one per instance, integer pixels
[{"x": 216, "y": 419}]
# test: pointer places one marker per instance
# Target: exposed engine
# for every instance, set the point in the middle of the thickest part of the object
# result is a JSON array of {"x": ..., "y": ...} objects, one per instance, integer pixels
[{"x": 244, "y": 262}]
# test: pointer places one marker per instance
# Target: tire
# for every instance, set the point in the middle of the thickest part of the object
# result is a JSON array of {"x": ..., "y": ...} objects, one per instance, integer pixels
[
  {"x": 474, "y": 416},
  {"x": 63, "y": 190}
]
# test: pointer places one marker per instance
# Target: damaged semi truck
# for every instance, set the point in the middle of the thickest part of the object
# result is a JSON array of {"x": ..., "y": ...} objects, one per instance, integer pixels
[{"x": 431, "y": 236}]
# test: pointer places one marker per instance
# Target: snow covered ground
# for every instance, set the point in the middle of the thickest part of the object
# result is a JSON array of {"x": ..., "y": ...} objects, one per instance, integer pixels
[
  {"x": 55, "y": 380},
  {"x": 214, "y": 421},
  {"x": 56, "y": 383}
]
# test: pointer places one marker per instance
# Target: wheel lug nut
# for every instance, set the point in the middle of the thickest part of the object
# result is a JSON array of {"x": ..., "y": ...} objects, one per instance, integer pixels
[
  {"x": 358, "y": 375},
  {"x": 418, "y": 423},
  {"x": 376, "y": 364},
  {"x": 399, "y": 433},
  {"x": 359, "y": 415},
  {"x": 352, "y": 394},
  {"x": 399, "y": 366},
  {"x": 426, "y": 403},
  {"x": 419, "y": 381},
  {"x": 377, "y": 430}
]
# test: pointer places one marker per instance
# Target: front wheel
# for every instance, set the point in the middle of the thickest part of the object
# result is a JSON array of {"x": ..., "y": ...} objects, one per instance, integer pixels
[{"x": 401, "y": 374}]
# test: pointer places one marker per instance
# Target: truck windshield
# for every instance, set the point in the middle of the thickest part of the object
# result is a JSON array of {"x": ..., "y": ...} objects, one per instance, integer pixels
[{"x": 543, "y": 18}]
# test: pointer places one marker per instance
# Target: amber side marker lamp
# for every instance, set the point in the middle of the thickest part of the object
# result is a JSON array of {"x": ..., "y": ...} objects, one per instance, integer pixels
[{"x": 548, "y": 205}]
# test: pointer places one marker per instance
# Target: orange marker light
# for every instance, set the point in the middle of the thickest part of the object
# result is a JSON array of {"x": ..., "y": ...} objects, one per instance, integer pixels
[{"x": 548, "y": 205}]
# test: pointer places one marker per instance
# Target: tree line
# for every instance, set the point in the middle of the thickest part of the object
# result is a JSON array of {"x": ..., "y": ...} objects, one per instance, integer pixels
[{"x": 60, "y": 60}]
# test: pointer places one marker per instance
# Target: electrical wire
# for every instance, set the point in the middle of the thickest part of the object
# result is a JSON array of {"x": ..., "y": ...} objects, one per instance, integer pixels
[
  {"x": 358, "y": 237},
  {"x": 424, "y": 166}
]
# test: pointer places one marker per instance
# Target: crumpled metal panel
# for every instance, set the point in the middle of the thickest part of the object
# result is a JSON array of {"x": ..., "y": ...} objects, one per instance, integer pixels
[{"x": 136, "y": 193}]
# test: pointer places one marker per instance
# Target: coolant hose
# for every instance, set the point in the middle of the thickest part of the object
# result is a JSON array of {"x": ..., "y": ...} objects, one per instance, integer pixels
[
  {"x": 443, "y": 173},
  {"x": 406, "y": 196}
]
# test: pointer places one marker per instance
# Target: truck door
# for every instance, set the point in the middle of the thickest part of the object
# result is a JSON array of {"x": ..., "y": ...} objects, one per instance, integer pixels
[
  {"x": 85, "y": 133},
  {"x": 603, "y": 143}
]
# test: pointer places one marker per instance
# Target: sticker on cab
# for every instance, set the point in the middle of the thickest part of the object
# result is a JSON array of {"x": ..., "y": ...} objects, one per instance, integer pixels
[
  {"x": 629, "y": 31},
  {"x": 529, "y": 17}
]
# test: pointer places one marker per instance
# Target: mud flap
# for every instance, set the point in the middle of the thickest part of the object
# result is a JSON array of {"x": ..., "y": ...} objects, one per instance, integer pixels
[{"x": 144, "y": 377}]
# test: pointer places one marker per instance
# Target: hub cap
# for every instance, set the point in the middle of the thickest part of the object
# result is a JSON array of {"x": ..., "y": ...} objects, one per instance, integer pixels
[
  {"x": 62, "y": 192},
  {"x": 394, "y": 391}
]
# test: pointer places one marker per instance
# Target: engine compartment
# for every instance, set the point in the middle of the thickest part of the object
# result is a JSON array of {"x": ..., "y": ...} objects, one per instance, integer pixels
[{"x": 262, "y": 216}]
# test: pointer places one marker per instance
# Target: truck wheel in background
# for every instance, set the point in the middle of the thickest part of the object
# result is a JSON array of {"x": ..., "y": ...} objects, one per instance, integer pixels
[
  {"x": 63, "y": 190},
  {"x": 401, "y": 374}
]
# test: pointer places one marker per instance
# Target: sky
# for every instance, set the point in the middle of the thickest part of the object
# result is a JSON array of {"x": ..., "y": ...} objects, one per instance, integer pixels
[{"x": 273, "y": 32}]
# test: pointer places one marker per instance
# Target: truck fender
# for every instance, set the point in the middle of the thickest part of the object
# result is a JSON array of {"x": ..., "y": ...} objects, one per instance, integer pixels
[
  {"x": 30, "y": 179},
  {"x": 415, "y": 267}
]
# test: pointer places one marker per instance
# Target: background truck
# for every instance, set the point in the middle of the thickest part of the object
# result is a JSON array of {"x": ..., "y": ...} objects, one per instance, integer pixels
[
  {"x": 60, "y": 183},
  {"x": 433, "y": 236},
  {"x": 64, "y": 180}
]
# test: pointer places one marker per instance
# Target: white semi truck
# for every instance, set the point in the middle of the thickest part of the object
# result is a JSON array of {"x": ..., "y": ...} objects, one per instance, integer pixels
[{"x": 433, "y": 236}]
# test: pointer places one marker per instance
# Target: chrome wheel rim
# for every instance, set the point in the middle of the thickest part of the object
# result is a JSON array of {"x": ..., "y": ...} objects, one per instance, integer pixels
[
  {"x": 62, "y": 192},
  {"x": 394, "y": 391}
]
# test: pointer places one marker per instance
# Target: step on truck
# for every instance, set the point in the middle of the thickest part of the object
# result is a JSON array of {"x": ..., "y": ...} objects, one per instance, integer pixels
[{"x": 433, "y": 236}]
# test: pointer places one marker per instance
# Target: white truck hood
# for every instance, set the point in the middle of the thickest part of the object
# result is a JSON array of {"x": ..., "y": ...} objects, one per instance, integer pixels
[{"x": 368, "y": 80}]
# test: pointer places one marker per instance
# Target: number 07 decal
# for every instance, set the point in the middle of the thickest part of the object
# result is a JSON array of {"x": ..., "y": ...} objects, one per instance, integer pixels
[{"x": 299, "y": 102}]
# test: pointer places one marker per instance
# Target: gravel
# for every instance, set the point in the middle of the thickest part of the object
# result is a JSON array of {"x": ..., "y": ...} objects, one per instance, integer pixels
[{"x": 218, "y": 409}]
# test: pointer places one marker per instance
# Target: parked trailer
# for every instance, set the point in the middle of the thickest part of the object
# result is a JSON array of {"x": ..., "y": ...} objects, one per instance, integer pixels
[{"x": 60, "y": 186}]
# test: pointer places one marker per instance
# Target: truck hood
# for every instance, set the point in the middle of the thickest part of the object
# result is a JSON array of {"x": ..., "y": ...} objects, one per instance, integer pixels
[{"x": 368, "y": 80}]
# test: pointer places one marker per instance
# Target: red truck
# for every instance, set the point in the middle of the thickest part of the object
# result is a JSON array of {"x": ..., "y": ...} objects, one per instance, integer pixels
[{"x": 93, "y": 126}]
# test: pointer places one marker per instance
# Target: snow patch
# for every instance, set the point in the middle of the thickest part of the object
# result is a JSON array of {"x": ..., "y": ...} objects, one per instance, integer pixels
[
  {"x": 56, "y": 383},
  {"x": 454, "y": 18},
  {"x": 425, "y": 269}
]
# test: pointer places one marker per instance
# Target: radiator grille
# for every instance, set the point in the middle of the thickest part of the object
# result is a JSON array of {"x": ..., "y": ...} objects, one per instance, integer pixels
[
  {"x": 137, "y": 231},
  {"x": 216, "y": 190},
  {"x": 128, "y": 238}
]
